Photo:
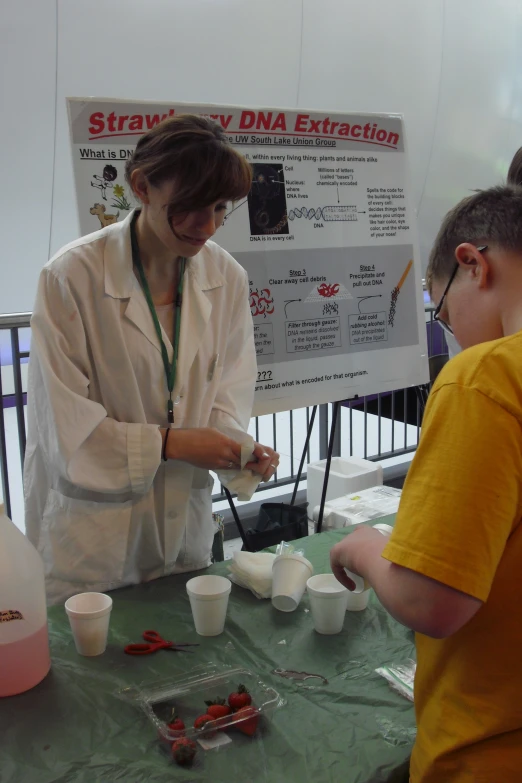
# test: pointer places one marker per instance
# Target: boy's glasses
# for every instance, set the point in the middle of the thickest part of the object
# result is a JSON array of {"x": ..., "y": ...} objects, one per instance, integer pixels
[{"x": 436, "y": 314}]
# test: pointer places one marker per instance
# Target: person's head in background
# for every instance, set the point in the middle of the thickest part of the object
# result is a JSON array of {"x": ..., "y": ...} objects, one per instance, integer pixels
[
  {"x": 514, "y": 176},
  {"x": 474, "y": 273},
  {"x": 185, "y": 172}
]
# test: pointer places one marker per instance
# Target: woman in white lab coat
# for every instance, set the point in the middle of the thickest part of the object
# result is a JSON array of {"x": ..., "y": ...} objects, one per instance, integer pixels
[{"x": 139, "y": 327}]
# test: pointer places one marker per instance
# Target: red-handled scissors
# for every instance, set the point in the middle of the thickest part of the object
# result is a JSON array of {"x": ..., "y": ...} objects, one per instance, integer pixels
[{"x": 155, "y": 643}]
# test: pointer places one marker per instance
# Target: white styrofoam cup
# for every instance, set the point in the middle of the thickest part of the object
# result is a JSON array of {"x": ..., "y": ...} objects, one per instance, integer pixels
[
  {"x": 289, "y": 576},
  {"x": 356, "y": 602},
  {"x": 383, "y": 528},
  {"x": 208, "y": 596},
  {"x": 89, "y": 616},
  {"x": 361, "y": 585},
  {"x": 328, "y": 600}
]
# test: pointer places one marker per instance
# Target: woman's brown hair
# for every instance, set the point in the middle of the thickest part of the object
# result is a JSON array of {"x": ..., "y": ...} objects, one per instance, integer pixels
[
  {"x": 193, "y": 152},
  {"x": 514, "y": 176}
]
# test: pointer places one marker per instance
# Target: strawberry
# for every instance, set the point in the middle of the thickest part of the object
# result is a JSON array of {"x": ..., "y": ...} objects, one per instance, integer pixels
[
  {"x": 240, "y": 698},
  {"x": 218, "y": 709},
  {"x": 248, "y": 723},
  {"x": 200, "y": 723},
  {"x": 183, "y": 751},
  {"x": 176, "y": 724}
]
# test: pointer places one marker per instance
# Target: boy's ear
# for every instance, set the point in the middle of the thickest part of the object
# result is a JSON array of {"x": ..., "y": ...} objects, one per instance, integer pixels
[{"x": 475, "y": 263}]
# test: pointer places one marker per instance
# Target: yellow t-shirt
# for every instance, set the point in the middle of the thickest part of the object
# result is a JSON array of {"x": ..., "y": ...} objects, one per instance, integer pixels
[{"x": 459, "y": 523}]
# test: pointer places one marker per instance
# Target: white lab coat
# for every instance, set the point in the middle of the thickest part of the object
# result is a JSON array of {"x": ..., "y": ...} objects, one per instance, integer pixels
[{"x": 101, "y": 506}]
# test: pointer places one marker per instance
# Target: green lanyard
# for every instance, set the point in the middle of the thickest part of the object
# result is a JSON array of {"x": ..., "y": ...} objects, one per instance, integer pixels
[{"x": 170, "y": 368}]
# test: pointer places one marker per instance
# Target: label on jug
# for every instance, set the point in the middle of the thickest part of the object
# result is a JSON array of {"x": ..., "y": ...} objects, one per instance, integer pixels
[{"x": 10, "y": 614}]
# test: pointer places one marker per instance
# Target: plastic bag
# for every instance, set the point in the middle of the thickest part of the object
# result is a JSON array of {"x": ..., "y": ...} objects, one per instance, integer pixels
[{"x": 400, "y": 677}]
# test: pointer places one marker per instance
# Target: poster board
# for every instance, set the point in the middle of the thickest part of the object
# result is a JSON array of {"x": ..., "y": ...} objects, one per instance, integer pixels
[{"x": 326, "y": 235}]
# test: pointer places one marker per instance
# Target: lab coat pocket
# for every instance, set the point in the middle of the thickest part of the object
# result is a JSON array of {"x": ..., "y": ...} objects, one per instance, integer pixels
[
  {"x": 199, "y": 532},
  {"x": 84, "y": 541}
]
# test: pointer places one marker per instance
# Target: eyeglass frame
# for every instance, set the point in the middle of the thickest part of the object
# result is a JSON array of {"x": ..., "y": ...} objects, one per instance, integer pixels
[{"x": 436, "y": 314}]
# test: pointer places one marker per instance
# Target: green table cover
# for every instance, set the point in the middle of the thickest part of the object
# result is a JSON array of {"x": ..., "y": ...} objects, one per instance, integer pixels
[{"x": 74, "y": 728}]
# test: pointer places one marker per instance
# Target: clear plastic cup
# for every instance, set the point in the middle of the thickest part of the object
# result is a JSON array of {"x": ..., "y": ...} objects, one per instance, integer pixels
[
  {"x": 89, "y": 616},
  {"x": 356, "y": 602},
  {"x": 328, "y": 600},
  {"x": 289, "y": 576},
  {"x": 208, "y": 596}
]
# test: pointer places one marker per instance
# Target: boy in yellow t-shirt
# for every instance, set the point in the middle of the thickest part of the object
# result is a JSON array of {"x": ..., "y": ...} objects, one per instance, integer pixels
[{"x": 452, "y": 569}]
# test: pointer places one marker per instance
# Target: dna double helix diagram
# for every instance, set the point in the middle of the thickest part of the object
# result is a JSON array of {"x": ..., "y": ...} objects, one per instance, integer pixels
[{"x": 328, "y": 214}]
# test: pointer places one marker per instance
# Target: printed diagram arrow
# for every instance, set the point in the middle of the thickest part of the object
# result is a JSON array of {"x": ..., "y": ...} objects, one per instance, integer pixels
[
  {"x": 289, "y": 301},
  {"x": 362, "y": 299},
  {"x": 233, "y": 210},
  {"x": 338, "y": 199}
]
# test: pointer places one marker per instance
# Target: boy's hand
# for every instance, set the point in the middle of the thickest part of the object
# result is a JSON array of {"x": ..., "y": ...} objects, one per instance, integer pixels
[
  {"x": 354, "y": 551},
  {"x": 417, "y": 601}
]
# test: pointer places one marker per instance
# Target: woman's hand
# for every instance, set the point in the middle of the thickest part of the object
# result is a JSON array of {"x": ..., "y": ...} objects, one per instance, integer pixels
[
  {"x": 265, "y": 462},
  {"x": 203, "y": 447}
]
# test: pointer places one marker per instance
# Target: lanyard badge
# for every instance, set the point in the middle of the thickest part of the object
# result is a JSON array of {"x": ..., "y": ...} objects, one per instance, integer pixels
[{"x": 170, "y": 367}]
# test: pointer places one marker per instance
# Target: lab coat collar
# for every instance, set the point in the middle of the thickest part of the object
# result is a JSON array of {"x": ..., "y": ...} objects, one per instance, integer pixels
[
  {"x": 120, "y": 280},
  {"x": 121, "y": 283}
]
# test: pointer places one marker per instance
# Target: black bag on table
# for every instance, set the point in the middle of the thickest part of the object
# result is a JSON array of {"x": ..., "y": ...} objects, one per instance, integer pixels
[{"x": 277, "y": 522}]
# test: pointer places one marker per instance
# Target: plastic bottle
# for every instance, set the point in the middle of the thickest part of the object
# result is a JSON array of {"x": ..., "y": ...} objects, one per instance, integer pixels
[{"x": 24, "y": 643}]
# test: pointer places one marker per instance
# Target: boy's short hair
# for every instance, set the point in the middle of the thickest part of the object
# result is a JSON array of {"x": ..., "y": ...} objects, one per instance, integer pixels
[{"x": 490, "y": 217}]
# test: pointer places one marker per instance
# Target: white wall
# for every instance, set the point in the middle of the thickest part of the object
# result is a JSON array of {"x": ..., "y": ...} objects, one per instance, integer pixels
[{"x": 453, "y": 68}]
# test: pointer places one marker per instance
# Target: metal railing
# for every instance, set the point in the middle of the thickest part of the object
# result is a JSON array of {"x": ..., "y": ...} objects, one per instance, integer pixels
[{"x": 376, "y": 427}]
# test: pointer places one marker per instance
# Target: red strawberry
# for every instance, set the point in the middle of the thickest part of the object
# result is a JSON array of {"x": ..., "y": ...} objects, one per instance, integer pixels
[
  {"x": 176, "y": 724},
  {"x": 218, "y": 709},
  {"x": 200, "y": 723},
  {"x": 248, "y": 724},
  {"x": 240, "y": 698},
  {"x": 183, "y": 751}
]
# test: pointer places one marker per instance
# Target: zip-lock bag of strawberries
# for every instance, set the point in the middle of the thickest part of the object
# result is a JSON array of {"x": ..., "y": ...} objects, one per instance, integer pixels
[{"x": 212, "y": 708}]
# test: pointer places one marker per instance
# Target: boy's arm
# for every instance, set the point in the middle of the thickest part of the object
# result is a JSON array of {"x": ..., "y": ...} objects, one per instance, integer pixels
[
  {"x": 422, "y": 604},
  {"x": 461, "y": 502}
]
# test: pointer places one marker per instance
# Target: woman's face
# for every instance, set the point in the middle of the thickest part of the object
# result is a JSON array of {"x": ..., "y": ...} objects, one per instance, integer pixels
[{"x": 186, "y": 234}]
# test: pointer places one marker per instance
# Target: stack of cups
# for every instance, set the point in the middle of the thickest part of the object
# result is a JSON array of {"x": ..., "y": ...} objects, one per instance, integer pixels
[
  {"x": 289, "y": 577},
  {"x": 89, "y": 615},
  {"x": 208, "y": 596},
  {"x": 328, "y": 600}
]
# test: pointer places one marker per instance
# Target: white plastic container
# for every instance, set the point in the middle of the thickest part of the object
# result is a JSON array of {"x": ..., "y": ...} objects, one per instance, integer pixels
[
  {"x": 89, "y": 615},
  {"x": 328, "y": 600},
  {"x": 289, "y": 576},
  {"x": 346, "y": 476},
  {"x": 361, "y": 506},
  {"x": 209, "y": 596},
  {"x": 24, "y": 643}
]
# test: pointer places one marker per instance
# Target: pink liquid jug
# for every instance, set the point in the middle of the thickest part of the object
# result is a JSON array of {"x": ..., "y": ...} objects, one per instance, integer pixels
[{"x": 24, "y": 643}]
